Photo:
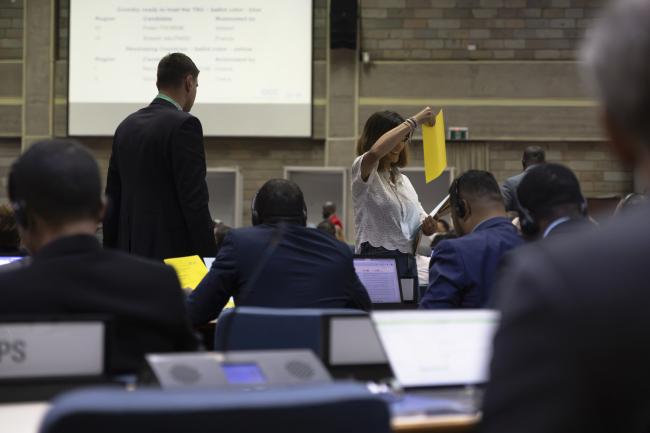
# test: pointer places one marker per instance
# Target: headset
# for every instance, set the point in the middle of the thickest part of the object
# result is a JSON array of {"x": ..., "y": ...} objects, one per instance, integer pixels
[
  {"x": 257, "y": 219},
  {"x": 457, "y": 203}
]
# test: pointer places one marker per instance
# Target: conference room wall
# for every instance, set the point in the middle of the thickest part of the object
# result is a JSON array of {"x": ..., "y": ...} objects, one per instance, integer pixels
[{"x": 506, "y": 104}]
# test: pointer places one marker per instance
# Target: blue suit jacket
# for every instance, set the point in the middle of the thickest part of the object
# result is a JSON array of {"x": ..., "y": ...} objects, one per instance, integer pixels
[
  {"x": 306, "y": 268},
  {"x": 462, "y": 270}
]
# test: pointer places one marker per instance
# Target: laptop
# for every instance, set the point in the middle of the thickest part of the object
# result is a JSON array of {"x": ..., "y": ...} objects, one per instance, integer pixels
[
  {"x": 380, "y": 278},
  {"x": 439, "y": 355}
]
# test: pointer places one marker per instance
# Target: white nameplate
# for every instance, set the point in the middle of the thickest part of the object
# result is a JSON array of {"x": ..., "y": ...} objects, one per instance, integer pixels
[{"x": 51, "y": 349}]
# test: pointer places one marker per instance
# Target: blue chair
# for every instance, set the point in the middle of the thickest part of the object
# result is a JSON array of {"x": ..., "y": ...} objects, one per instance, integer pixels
[
  {"x": 330, "y": 408},
  {"x": 256, "y": 328}
]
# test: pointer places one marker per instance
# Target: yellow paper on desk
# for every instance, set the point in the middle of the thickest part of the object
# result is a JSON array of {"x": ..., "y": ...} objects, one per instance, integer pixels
[
  {"x": 435, "y": 148},
  {"x": 190, "y": 270}
]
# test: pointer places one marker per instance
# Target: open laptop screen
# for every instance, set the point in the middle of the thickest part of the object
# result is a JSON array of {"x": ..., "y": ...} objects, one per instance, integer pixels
[
  {"x": 437, "y": 348},
  {"x": 379, "y": 276},
  {"x": 7, "y": 260}
]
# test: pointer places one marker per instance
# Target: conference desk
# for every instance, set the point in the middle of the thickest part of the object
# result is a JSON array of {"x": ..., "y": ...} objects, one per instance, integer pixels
[{"x": 26, "y": 418}]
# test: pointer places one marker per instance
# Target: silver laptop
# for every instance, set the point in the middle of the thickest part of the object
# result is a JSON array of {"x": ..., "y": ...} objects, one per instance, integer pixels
[{"x": 442, "y": 354}]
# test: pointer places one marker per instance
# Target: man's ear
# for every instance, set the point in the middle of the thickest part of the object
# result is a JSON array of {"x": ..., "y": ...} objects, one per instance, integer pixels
[
  {"x": 620, "y": 142},
  {"x": 189, "y": 82},
  {"x": 468, "y": 209}
]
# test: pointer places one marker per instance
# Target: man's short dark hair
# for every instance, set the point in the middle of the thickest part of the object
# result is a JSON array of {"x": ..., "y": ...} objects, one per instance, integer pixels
[
  {"x": 172, "y": 70},
  {"x": 533, "y": 155},
  {"x": 329, "y": 209},
  {"x": 475, "y": 185},
  {"x": 280, "y": 199},
  {"x": 58, "y": 180},
  {"x": 547, "y": 186}
]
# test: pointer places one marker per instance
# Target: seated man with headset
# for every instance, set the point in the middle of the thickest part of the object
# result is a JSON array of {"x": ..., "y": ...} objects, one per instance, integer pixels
[
  {"x": 462, "y": 270},
  {"x": 551, "y": 203},
  {"x": 278, "y": 262},
  {"x": 56, "y": 193}
]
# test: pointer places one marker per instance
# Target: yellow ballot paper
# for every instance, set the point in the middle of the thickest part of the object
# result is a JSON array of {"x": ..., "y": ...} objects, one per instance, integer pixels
[
  {"x": 435, "y": 149},
  {"x": 190, "y": 270}
]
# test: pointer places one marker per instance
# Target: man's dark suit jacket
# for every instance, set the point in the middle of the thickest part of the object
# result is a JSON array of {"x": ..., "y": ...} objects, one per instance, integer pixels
[
  {"x": 572, "y": 353},
  {"x": 74, "y": 275},
  {"x": 509, "y": 191},
  {"x": 462, "y": 270},
  {"x": 306, "y": 268},
  {"x": 156, "y": 185}
]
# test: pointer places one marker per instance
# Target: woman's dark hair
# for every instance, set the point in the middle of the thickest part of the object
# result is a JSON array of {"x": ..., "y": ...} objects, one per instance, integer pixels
[{"x": 377, "y": 125}]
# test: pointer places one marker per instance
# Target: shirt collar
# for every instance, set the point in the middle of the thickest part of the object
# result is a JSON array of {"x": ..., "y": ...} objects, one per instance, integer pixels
[
  {"x": 164, "y": 97},
  {"x": 554, "y": 224}
]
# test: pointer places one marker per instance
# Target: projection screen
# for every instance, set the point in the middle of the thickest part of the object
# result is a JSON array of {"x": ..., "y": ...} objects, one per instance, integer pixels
[{"x": 255, "y": 58}]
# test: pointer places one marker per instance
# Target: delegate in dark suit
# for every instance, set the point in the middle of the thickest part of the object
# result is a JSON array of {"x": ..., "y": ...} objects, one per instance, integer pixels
[
  {"x": 306, "y": 269},
  {"x": 74, "y": 275},
  {"x": 462, "y": 270},
  {"x": 571, "y": 353},
  {"x": 509, "y": 192},
  {"x": 156, "y": 185}
]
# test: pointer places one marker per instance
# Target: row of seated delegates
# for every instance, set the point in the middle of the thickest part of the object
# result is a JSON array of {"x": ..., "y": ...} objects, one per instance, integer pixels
[
  {"x": 278, "y": 262},
  {"x": 388, "y": 216},
  {"x": 9, "y": 235},
  {"x": 462, "y": 270},
  {"x": 571, "y": 352},
  {"x": 55, "y": 189},
  {"x": 532, "y": 156}
]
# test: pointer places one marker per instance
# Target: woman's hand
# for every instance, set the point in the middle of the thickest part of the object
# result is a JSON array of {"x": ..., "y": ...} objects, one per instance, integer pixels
[
  {"x": 429, "y": 226},
  {"x": 425, "y": 116}
]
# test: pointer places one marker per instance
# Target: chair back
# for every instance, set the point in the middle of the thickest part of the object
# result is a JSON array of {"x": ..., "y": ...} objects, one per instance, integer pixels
[
  {"x": 329, "y": 408},
  {"x": 256, "y": 328}
]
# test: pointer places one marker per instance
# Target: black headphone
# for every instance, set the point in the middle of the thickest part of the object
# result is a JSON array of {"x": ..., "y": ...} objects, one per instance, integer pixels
[
  {"x": 256, "y": 216},
  {"x": 456, "y": 202}
]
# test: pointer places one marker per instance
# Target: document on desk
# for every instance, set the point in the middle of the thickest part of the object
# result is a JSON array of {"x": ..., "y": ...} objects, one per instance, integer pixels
[{"x": 190, "y": 270}]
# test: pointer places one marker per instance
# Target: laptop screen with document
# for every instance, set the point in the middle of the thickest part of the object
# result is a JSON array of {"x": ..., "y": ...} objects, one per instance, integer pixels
[
  {"x": 380, "y": 278},
  {"x": 437, "y": 348}
]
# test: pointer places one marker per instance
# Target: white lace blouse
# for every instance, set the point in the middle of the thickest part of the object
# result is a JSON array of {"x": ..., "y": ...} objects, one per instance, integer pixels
[{"x": 386, "y": 214}]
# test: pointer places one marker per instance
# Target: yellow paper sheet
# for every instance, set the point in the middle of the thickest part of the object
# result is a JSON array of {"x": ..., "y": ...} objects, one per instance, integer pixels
[
  {"x": 435, "y": 148},
  {"x": 190, "y": 270}
]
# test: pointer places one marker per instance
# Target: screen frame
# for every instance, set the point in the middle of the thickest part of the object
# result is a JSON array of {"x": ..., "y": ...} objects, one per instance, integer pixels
[
  {"x": 298, "y": 137},
  {"x": 373, "y": 371}
]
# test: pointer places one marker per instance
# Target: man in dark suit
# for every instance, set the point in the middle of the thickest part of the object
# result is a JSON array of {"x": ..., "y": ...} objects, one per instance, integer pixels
[
  {"x": 55, "y": 189},
  {"x": 571, "y": 353},
  {"x": 462, "y": 270},
  {"x": 533, "y": 155},
  {"x": 551, "y": 202},
  {"x": 279, "y": 262},
  {"x": 156, "y": 177}
]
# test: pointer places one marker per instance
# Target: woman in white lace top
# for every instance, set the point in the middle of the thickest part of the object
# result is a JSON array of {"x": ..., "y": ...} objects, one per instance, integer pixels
[{"x": 387, "y": 212}]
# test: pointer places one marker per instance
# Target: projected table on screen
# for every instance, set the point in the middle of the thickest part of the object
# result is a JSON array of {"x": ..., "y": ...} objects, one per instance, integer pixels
[{"x": 254, "y": 57}]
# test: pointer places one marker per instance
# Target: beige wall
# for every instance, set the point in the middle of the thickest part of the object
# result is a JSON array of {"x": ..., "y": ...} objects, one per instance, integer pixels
[{"x": 520, "y": 85}]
